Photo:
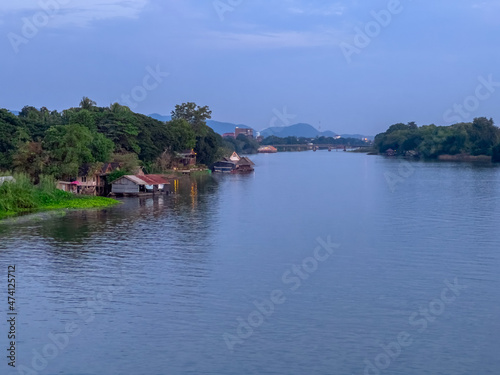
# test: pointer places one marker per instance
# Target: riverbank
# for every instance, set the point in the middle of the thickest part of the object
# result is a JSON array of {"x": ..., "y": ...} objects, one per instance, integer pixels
[{"x": 22, "y": 197}]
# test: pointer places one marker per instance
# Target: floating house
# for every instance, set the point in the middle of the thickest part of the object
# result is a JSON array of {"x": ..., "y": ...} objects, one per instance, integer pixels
[
  {"x": 235, "y": 157},
  {"x": 140, "y": 185},
  {"x": 234, "y": 164},
  {"x": 390, "y": 152},
  {"x": 244, "y": 165}
]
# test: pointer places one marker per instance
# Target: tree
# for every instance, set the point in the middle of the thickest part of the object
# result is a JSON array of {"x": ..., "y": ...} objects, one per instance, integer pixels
[
  {"x": 83, "y": 117},
  {"x": 69, "y": 148},
  {"x": 86, "y": 103},
  {"x": 495, "y": 158},
  {"x": 30, "y": 158},
  {"x": 197, "y": 116},
  {"x": 185, "y": 136},
  {"x": 101, "y": 148}
]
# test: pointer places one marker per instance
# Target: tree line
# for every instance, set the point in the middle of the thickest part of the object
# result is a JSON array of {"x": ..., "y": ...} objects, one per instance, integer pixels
[
  {"x": 43, "y": 142},
  {"x": 480, "y": 137}
]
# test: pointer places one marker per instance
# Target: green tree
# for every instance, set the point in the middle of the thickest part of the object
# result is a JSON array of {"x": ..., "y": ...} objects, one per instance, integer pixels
[
  {"x": 31, "y": 159},
  {"x": 101, "y": 148},
  {"x": 197, "y": 116},
  {"x": 69, "y": 147},
  {"x": 185, "y": 136},
  {"x": 87, "y": 103}
]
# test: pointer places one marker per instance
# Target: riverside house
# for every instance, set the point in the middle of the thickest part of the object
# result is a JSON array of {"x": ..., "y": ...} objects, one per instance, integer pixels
[
  {"x": 94, "y": 182},
  {"x": 140, "y": 185},
  {"x": 185, "y": 159},
  {"x": 90, "y": 180}
]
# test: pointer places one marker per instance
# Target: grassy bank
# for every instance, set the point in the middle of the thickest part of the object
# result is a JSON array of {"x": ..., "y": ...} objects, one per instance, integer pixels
[{"x": 22, "y": 196}]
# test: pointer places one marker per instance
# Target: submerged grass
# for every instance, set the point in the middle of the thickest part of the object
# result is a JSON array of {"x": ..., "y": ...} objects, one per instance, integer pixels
[{"x": 22, "y": 196}]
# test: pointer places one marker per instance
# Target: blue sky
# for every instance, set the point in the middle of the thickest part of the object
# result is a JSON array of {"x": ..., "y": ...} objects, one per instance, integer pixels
[{"x": 346, "y": 66}]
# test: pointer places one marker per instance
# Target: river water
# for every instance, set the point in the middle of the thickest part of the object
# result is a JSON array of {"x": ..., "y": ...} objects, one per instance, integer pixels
[{"x": 318, "y": 263}]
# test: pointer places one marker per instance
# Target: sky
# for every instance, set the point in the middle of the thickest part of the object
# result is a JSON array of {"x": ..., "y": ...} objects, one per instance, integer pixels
[{"x": 348, "y": 66}]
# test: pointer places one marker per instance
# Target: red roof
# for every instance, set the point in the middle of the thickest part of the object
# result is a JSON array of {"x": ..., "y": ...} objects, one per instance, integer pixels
[{"x": 153, "y": 179}]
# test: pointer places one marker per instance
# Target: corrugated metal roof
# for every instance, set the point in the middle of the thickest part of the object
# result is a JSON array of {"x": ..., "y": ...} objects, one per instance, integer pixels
[
  {"x": 151, "y": 179},
  {"x": 154, "y": 179},
  {"x": 135, "y": 179}
]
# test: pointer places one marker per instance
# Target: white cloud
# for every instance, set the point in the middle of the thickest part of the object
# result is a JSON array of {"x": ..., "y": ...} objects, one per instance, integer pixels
[{"x": 75, "y": 12}]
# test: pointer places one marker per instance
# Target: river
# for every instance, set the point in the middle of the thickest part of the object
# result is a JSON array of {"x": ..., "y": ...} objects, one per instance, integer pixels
[{"x": 318, "y": 263}]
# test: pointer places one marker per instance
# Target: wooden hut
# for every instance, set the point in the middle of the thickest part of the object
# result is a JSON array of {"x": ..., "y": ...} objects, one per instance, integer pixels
[{"x": 140, "y": 185}]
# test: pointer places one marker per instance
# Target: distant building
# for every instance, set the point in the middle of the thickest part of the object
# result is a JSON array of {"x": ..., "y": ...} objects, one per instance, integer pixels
[
  {"x": 245, "y": 131},
  {"x": 390, "y": 152},
  {"x": 228, "y": 135}
]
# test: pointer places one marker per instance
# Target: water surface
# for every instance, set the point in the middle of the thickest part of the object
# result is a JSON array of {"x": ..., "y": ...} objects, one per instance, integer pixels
[{"x": 156, "y": 286}]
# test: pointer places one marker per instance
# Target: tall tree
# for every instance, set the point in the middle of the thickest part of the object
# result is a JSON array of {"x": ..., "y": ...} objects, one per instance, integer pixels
[
  {"x": 197, "y": 116},
  {"x": 86, "y": 103}
]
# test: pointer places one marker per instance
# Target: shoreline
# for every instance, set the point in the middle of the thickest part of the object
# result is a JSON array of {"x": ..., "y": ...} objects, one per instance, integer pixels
[{"x": 71, "y": 203}]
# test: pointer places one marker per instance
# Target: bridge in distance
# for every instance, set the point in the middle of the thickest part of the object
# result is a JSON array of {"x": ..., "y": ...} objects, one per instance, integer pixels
[{"x": 305, "y": 147}]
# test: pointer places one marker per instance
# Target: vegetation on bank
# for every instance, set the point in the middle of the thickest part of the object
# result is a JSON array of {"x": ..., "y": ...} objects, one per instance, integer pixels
[
  {"x": 242, "y": 144},
  {"x": 43, "y": 142},
  {"x": 480, "y": 137},
  {"x": 22, "y": 196}
]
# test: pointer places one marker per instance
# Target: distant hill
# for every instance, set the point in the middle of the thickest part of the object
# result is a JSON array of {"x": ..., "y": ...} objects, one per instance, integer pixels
[
  {"x": 296, "y": 130},
  {"x": 217, "y": 126},
  {"x": 15, "y": 112},
  {"x": 224, "y": 127},
  {"x": 159, "y": 117}
]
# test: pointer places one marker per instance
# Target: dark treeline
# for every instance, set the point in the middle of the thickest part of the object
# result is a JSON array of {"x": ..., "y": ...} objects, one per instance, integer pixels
[
  {"x": 480, "y": 137},
  {"x": 273, "y": 140},
  {"x": 44, "y": 142}
]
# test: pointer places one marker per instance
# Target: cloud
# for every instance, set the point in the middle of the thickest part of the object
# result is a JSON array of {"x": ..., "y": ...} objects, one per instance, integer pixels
[{"x": 75, "y": 12}]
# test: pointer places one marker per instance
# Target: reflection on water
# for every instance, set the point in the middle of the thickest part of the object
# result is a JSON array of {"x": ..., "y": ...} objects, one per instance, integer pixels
[{"x": 154, "y": 283}]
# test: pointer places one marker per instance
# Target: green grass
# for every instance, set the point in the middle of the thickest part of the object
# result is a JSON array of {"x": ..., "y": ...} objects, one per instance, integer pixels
[{"x": 23, "y": 197}]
